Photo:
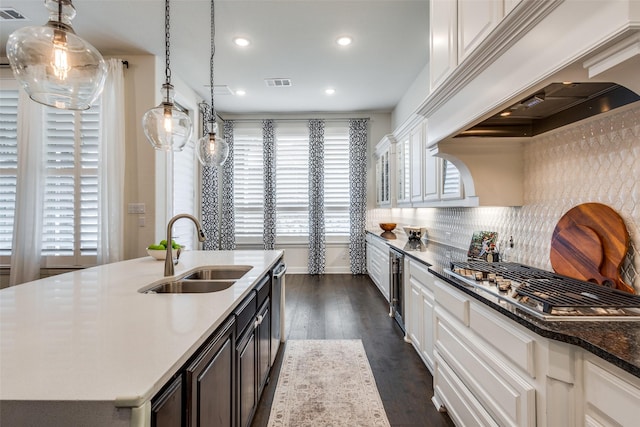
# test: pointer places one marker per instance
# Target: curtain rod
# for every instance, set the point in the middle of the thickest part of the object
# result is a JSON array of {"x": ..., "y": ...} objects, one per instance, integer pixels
[
  {"x": 297, "y": 120},
  {"x": 125, "y": 63}
]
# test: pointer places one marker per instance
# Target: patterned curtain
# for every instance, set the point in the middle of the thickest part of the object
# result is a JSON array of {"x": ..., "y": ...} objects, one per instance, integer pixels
[
  {"x": 358, "y": 194},
  {"x": 317, "y": 249},
  {"x": 269, "y": 158},
  {"x": 210, "y": 200},
  {"x": 227, "y": 220}
]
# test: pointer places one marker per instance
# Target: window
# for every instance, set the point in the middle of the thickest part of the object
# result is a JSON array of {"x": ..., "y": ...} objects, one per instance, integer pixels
[
  {"x": 336, "y": 180},
  {"x": 185, "y": 198},
  {"x": 8, "y": 166},
  {"x": 292, "y": 180},
  {"x": 248, "y": 182},
  {"x": 70, "y": 221}
]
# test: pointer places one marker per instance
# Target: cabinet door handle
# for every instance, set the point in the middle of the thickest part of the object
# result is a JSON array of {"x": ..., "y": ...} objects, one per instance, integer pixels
[{"x": 258, "y": 322}]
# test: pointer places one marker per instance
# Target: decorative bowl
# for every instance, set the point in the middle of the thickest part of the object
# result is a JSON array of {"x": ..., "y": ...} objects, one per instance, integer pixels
[
  {"x": 388, "y": 226},
  {"x": 157, "y": 254}
]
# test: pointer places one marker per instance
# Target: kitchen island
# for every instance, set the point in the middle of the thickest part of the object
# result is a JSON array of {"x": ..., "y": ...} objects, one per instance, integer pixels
[{"x": 86, "y": 348}]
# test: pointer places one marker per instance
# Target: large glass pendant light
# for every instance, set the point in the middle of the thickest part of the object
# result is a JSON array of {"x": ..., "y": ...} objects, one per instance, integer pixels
[
  {"x": 167, "y": 127},
  {"x": 53, "y": 64},
  {"x": 212, "y": 150}
]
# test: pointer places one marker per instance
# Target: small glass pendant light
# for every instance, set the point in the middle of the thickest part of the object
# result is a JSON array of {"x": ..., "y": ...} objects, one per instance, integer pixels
[
  {"x": 54, "y": 65},
  {"x": 212, "y": 150},
  {"x": 167, "y": 127}
]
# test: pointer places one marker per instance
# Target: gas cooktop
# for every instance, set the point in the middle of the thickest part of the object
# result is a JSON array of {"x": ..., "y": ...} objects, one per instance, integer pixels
[{"x": 545, "y": 294}]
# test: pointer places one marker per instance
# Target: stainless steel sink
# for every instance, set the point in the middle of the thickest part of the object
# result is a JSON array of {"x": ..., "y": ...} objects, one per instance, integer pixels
[
  {"x": 186, "y": 286},
  {"x": 203, "y": 280},
  {"x": 219, "y": 272}
]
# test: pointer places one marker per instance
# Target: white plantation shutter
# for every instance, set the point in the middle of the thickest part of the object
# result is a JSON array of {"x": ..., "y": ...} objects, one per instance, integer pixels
[
  {"x": 8, "y": 166},
  {"x": 70, "y": 224},
  {"x": 184, "y": 197},
  {"x": 248, "y": 181},
  {"x": 292, "y": 179},
  {"x": 336, "y": 179}
]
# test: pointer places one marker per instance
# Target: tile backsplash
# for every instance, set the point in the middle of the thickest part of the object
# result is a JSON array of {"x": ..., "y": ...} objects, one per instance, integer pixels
[{"x": 592, "y": 161}]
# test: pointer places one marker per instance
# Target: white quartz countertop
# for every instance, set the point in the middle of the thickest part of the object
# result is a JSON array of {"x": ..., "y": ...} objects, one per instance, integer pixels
[{"x": 91, "y": 336}]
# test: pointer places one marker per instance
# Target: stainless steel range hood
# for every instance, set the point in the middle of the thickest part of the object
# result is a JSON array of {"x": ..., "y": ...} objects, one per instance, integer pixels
[{"x": 551, "y": 107}]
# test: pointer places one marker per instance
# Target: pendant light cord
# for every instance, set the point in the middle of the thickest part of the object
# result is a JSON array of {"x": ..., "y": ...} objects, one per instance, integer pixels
[
  {"x": 167, "y": 42},
  {"x": 212, "y": 119}
]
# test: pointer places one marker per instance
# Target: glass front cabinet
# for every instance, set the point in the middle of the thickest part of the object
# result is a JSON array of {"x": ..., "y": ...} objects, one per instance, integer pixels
[{"x": 385, "y": 165}]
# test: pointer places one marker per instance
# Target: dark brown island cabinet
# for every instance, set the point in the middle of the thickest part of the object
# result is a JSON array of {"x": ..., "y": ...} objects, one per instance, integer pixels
[{"x": 222, "y": 383}]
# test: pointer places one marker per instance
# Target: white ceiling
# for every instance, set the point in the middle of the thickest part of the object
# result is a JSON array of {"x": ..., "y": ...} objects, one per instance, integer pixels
[{"x": 290, "y": 39}]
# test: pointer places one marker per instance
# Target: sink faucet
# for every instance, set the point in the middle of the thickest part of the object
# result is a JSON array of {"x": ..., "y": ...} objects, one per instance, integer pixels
[{"x": 169, "y": 261}]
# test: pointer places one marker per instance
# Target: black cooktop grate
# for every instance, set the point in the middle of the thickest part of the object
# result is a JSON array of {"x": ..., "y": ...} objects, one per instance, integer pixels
[{"x": 553, "y": 290}]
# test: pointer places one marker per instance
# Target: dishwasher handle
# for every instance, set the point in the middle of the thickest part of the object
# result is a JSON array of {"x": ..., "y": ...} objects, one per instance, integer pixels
[{"x": 280, "y": 270}]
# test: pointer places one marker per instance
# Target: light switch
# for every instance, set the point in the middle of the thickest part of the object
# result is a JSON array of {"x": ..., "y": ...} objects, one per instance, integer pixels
[
  {"x": 141, "y": 221},
  {"x": 136, "y": 208}
]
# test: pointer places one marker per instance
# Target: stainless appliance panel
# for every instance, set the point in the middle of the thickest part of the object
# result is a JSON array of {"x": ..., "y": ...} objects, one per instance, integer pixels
[{"x": 396, "y": 291}]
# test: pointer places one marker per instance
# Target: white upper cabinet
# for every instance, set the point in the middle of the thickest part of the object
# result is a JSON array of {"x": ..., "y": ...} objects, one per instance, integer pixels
[
  {"x": 417, "y": 148},
  {"x": 431, "y": 173},
  {"x": 403, "y": 178},
  {"x": 385, "y": 165},
  {"x": 476, "y": 19},
  {"x": 442, "y": 43}
]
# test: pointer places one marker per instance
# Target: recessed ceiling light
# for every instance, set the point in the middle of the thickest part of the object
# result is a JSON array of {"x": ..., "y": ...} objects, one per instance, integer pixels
[
  {"x": 344, "y": 41},
  {"x": 241, "y": 41},
  {"x": 241, "y": 92},
  {"x": 505, "y": 114},
  {"x": 330, "y": 91}
]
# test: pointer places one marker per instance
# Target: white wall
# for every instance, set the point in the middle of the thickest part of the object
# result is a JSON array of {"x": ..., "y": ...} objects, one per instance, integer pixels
[{"x": 412, "y": 99}]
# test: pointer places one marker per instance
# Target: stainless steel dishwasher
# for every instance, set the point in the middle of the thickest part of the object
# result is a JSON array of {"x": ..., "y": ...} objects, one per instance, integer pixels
[
  {"x": 277, "y": 307},
  {"x": 396, "y": 280}
]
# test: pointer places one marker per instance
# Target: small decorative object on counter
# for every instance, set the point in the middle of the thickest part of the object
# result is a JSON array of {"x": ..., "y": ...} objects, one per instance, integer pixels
[
  {"x": 415, "y": 233},
  {"x": 483, "y": 243},
  {"x": 507, "y": 253}
]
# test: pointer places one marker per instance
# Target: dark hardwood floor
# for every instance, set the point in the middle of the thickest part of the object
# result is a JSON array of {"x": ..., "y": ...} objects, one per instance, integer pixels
[{"x": 351, "y": 307}]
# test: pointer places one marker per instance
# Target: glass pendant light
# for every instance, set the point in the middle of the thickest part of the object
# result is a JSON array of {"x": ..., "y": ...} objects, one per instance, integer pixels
[
  {"x": 167, "y": 127},
  {"x": 54, "y": 65},
  {"x": 212, "y": 150}
]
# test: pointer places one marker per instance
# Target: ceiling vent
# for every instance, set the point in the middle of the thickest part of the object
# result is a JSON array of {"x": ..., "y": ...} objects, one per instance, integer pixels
[
  {"x": 278, "y": 82},
  {"x": 220, "y": 90},
  {"x": 10, "y": 14}
]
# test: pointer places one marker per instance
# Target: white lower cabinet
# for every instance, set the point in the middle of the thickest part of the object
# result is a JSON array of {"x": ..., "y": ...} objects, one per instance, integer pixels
[
  {"x": 419, "y": 322},
  {"x": 488, "y": 370},
  {"x": 378, "y": 263},
  {"x": 611, "y": 396},
  {"x": 506, "y": 396}
]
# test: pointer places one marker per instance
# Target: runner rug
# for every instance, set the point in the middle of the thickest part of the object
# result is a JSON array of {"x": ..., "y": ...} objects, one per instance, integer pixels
[{"x": 326, "y": 383}]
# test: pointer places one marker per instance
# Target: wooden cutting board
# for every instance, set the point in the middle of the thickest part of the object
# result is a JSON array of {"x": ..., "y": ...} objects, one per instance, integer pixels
[{"x": 590, "y": 243}]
